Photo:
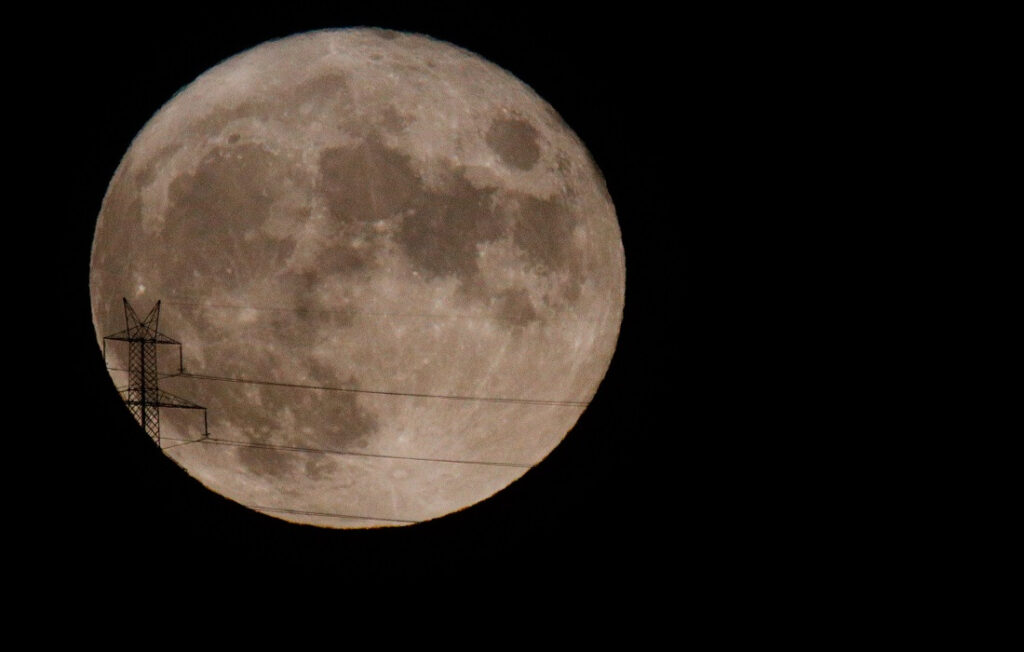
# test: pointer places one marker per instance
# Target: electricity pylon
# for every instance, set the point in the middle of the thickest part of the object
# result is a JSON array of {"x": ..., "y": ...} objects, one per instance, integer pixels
[{"x": 143, "y": 395}]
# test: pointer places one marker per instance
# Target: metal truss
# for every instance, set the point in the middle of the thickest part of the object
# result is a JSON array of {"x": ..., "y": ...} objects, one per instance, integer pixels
[{"x": 143, "y": 394}]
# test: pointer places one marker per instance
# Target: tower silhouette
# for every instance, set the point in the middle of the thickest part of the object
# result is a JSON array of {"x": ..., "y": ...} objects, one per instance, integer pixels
[{"x": 143, "y": 394}]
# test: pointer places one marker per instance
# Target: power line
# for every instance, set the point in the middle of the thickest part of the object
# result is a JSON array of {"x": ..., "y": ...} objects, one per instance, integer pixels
[
  {"x": 308, "y": 513},
  {"x": 186, "y": 442},
  {"x": 226, "y": 442},
  {"x": 346, "y": 311},
  {"x": 258, "y": 308},
  {"x": 452, "y": 397},
  {"x": 303, "y": 449},
  {"x": 330, "y": 451}
]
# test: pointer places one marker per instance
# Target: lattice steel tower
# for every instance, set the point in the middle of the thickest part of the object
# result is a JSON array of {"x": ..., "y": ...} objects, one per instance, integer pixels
[{"x": 143, "y": 394}]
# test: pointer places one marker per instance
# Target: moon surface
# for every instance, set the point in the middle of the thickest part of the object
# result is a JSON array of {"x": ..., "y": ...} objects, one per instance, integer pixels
[{"x": 396, "y": 274}]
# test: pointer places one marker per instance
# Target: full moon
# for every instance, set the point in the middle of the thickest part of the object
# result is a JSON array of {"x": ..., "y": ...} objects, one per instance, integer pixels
[{"x": 396, "y": 275}]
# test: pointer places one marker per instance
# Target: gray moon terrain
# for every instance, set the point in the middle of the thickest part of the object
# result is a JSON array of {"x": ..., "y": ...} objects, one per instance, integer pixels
[{"x": 363, "y": 210}]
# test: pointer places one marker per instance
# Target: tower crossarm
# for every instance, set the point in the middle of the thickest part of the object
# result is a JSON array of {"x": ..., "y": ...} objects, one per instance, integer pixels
[{"x": 135, "y": 336}]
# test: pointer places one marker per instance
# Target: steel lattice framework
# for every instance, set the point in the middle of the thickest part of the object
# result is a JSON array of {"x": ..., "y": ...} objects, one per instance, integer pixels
[{"x": 143, "y": 394}]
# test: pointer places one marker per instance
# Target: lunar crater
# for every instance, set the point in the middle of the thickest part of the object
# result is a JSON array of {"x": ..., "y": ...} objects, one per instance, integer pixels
[
  {"x": 515, "y": 307},
  {"x": 392, "y": 121},
  {"x": 515, "y": 141}
]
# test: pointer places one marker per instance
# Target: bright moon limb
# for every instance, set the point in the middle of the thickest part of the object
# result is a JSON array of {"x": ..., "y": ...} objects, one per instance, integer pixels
[{"x": 397, "y": 275}]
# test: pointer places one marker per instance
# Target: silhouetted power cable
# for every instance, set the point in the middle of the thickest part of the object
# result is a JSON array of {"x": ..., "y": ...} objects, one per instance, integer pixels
[
  {"x": 344, "y": 311},
  {"x": 328, "y": 311},
  {"x": 228, "y": 306},
  {"x": 185, "y": 442},
  {"x": 330, "y": 451},
  {"x": 329, "y": 514},
  {"x": 303, "y": 449},
  {"x": 451, "y": 397}
]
